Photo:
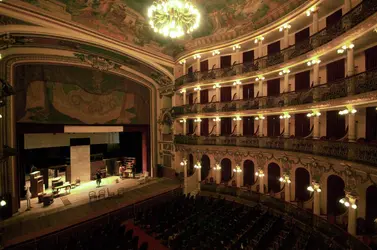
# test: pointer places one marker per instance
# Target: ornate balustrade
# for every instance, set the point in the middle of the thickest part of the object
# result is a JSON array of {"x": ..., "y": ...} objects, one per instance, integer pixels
[
  {"x": 358, "y": 14},
  {"x": 341, "y": 239},
  {"x": 357, "y": 84},
  {"x": 358, "y": 152}
]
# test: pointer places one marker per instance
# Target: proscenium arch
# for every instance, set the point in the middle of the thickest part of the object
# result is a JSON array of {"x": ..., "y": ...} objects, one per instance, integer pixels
[
  {"x": 302, "y": 181},
  {"x": 206, "y": 166},
  {"x": 335, "y": 192},
  {"x": 248, "y": 173},
  {"x": 226, "y": 170}
]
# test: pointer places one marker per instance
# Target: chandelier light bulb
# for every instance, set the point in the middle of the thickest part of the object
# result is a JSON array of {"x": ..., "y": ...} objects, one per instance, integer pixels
[
  {"x": 197, "y": 88},
  {"x": 182, "y": 91},
  {"x": 235, "y": 47},
  {"x": 173, "y": 18},
  {"x": 217, "y": 119},
  {"x": 310, "y": 189},
  {"x": 1, "y": 116},
  {"x": 216, "y": 86},
  {"x": 183, "y": 61},
  {"x": 341, "y": 200},
  {"x": 353, "y": 111},
  {"x": 340, "y": 51},
  {"x": 354, "y": 206},
  {"x": 281, "y": 179},
  {"x": 238, "y": 82},
  {"x": 182, "y": 121},
  {"x": 351, "y": 46},
  {"x": 319, "y": 190},
  {"x": 347, "y": 204},
  {"x": 215, "y": 52},
  {"x": 198, "y": 120},
  {"x": 197, "y": 56},
  {"x": 3, "y": 203}
]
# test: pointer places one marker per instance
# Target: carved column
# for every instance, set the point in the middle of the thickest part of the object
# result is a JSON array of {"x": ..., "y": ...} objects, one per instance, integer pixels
[
  {"x": 184, "y": 164},
  {"x": 184, "y": 96},
  {"x": 315, "y": 22},
  {"x": 261, "y": 122},
  {"x": 198, "y": 167},
  {"x": 350, "y": 62},
  {"x": 316, "y": 128},
  {"x": 316, "y": 74},
  {"x": 260, "y": 48},
  {"x": 218, "y": 126},
  {"x": 260, "y": 175},
  {"x": 198, "y": 95},
  {"x": 184, "y": 127},
  {"x": 317, "y": 199},
  {"x": 352, "y": 214},
  {"x": 184, "y": 70},
  {"x": 351, "y": 127},
  {"x": 347, "y": 6},
  {"x": 286, "y": 38},
  {"x": 286, "y": 128},
  {"x": 217, "y": 93},
  {"x": 218, "y": 173},
  {"x": 238, "y": 91},
  {"x": 238, "y": 172},
  {"x": 198, "y": 128},
  {"x": 286, "y": 83},
  {"x": 260, "y": 88}
]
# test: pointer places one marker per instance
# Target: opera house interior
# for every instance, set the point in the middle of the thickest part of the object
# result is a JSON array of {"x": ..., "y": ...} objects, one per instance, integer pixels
[{"x": 188, "y": 124}]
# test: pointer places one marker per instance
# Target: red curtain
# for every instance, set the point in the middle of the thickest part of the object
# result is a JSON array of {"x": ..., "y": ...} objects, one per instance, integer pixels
[
  {"x": 226, "y": 61},
  {"x": 302, "y": 81},
  {"x": 273, "y": 87},
  {"x": 248, "y": 91},
  {"x": 226, "y": 94},
  {"x": 302, "y": 125},
  {"x": 273, "y": 125},
  {"x": 248, "y": 126}
]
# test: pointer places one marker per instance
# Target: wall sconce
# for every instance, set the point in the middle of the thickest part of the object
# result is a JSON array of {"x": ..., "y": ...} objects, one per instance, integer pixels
[
  {"x": 259, "y": 39},
  {"x": 237, "y": 169},
  {"x": 346, "y": 202},
  {"x": 182, "y": 121},
  {"x": 259, "y": 173},
  {"x": 215, "y": 52},
  {"x": 314, "y": 113},
  {"x": 260, "y": 78},
  {"x": 237, "y": 118},
  {"x": 238, "y": 82},
  {"x": 310, "y": 11},
  {"x": 183, "y": 162},
  {"x": 217, "y": 119},
  {"x": 1, "y": 116},
  {"x": 183, "y": 61},
  {"x": 314, "y": 187},
  {"x": 236, "y": 47},
  {"x": 285, "y": 116},
  {"x": 217, "y": 167},
  {"x": 284, "y": 71},
  {"x": 197, "y": 56},
  {"x": 198, "y": 120},
  {"x": 182, "y": 91},
  {"x": 198, "y": 165},
  {"x": 260, "y": 117},
  {"x": 285, "y": 27},
  {"x": 345, "y": 47},
  {"x": 197, "y": 88},
  {"x": 314, "y": 61},
  {"x": 216, "y": 86},
  {"x": 285, "y": 179},
  {"x": 347, "y": 111}
]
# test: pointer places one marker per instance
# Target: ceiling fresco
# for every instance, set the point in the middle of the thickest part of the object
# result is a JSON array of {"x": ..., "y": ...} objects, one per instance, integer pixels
[{"x": 125, "y": 20}]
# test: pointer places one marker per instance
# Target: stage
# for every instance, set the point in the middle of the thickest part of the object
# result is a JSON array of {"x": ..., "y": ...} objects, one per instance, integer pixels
[{"x": 73, "y": 208}]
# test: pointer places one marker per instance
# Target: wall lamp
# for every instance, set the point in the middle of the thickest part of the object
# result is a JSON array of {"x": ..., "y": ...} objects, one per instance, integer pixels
[
  {"x": 314, "y": 61},
  {"x": 259, "y": 39},
  {"x": 260, "y": 78},
  {"x": 285, "y": 116},
  {"x": 346, "y": 202},
  {"x": 197, "y": 56},
  {"x": 237, "y": 118},
  {"x": 310, "y": 11},
  {"x": 347, "y": 111},
  {"x": 217, "y": 167},
  {"x": 182, "y": 91},
  {"x": 236, "y": 47},
  {"x": 345, "y": 47},
  {"x": 182, "y": 121},
  {"x": 285, "y": 179},
  {"x": 198, "y": 165},
  {"x": 217, "y": 119},
  {"x": 215, "y": 52},
  {"x": 284, "y": 71},
  {"x": 183, "y": 61},
  {"x": 197, "y": 88},
  {"x": 237, "y": 169},
  {"x": 216, "y": 86},
  {"x": 315, "y": 113},
  {"x": 198, "y": 120},
  {"x": 285, "y": 27},
  {"x": 260, "y": 117},
  {"x": 238, "y": 82},
  {"x": 314, "y": 187}
]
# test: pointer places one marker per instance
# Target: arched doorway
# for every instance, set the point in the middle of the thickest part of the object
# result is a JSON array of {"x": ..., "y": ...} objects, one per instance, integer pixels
[
  {"x": 226, "y": 170},
  {"x": 335, "y": 192},
  {"x": 371, "y": 207},
  {"x": 248, "y": 172},
  {"x": 205, "y": 167},
  {"x": 190, "y": 166},
  {"x": 273, "y": 177},
  {"x": 302, "y": 181}
]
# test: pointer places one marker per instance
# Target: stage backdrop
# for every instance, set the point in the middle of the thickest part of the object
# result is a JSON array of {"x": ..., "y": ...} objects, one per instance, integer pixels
[{"x": 73, "y": 95}]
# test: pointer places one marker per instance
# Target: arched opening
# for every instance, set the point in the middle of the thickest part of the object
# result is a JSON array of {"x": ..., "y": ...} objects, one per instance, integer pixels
[
  {"x": 248, "y": 172},
  {"x": 205, "y": 167},
  {"x": 273, "y": 177},
  {"x": 226, "y": 170},
  {"x": 371, "y": 207},
  {"x": 335, "y": 192},
  {"x": 302, "y": 181},
  {"x": 190, "y": 166}
]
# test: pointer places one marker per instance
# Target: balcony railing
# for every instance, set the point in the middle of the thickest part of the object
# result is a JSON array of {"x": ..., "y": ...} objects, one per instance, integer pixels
[
  {"x": 340, "y": 238},
  {"x": 358, "y": 152},
  {"x": 358, "y": 14},
  {"x": 357, "y": 84}
]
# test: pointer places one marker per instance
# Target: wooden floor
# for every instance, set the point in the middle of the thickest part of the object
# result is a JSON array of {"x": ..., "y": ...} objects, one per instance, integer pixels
[{"x": 75, "y": 208}]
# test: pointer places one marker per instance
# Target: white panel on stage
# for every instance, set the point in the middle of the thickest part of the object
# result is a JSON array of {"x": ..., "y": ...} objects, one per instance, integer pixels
[
  {"x": 80, "y": 163},
  {"x": 63, "y": 140},
  {"x": 93, "y": 129}
]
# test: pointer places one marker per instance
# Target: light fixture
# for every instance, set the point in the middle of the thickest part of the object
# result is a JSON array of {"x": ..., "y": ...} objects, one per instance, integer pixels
[
  {"x": 260, "y": 117},
  {"x": 347, "y": 111},
  {"x": 183, "y": 162},
  {"x": 197, "y": 88},
  {"x": 173, "y": 18},
  {"x": 259, "y": 173},
  {"x": 345, "y": 47},
  {"x": 285, "y": 116},
  {"x": 217, "y": 167},
  {"x": 183, "y": 61},
  {"x": 3, "y": 203},
  {"x": 237, "y": 169},
  {"x": 217, "y": 119},
  {"x": 314, "y": 187},
  {"x": 198, "y": 165},
  {"x": 197, "y": 56},
  {"x": 285, "y": 179},
  {"x": 1, "y": 116},
  {"x": 286, "y": 26},
  {"x": 314, "y": 113},
  {"x": 284, "y": 71},
  {"x": 182, "y": 120},
  {"x": 260, "y": 78},
  {"x": 182, "y": 91},
  {"x": 198, "y": 120},
  {"x": 259, "y": 39},
  {"x": 237, "y": 118},
  {"x": 215, "y": 52},
  {"x": 216, "y": 86},
  {"x": 314, "y": 61},
  {"x": 238, "y": 82},
  {"x": 236, "y": 47},
  {"x": 310, "y": 11},
  {"x": 346, "y": 201}
]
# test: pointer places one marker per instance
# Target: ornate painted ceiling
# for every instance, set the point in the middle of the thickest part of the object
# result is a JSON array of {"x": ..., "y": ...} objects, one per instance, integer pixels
[{"x": 125, "y": 20}]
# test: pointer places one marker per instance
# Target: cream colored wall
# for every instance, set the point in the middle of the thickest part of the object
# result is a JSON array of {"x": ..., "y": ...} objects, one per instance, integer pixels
[
  {"x": 322, "y": 74},
  {"x": 292, "y": 125},
  {"x": 359, "y": 61},
  {"x": 291, "y": 82}
]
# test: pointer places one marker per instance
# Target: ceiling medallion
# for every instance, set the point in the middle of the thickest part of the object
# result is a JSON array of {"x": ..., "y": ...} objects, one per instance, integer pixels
[{"x": 173, "y": 18}]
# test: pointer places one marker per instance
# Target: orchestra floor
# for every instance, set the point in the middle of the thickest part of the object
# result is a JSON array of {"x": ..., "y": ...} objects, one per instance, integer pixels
[{"x": 73, "y": 208}]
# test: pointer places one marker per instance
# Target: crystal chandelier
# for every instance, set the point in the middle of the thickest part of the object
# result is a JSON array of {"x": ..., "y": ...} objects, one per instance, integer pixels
[{"x": 173, "y": 18}]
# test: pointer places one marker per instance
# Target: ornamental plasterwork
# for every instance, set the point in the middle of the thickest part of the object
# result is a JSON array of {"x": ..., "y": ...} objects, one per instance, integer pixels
[
  {"x": 352, "y": 175},
  {"x": 7, "y": 40}
]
